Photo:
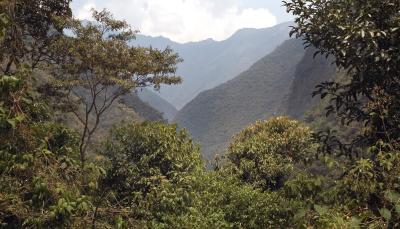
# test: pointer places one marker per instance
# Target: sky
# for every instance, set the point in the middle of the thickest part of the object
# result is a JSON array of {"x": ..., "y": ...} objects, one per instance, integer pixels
[{"x": 189, "y": 20}]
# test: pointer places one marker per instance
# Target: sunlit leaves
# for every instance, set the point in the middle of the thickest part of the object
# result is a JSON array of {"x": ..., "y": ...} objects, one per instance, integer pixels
[
  {"x": 148, "y": 154},
  {"x": 99, "y": 53},
  {"x": 97, "y": 60},
  {"x": 27, "y": 28},
  {"x": 265, "y": 153}
]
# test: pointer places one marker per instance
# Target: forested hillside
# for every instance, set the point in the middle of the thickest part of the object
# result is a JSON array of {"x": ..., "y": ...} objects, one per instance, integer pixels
[
  {"x": 76, "y": 151},
  {"x": 279, "y": 84},
  {"x": 210, "y": 63},
  {"x": 155, "y": 100},
  {"x": 258, "y": 93},
  {"x": 310, "y": 72}
]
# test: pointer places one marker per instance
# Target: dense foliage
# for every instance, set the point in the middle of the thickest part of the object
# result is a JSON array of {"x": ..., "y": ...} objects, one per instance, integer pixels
[
  {"x": 97, "y": 60},
  {"x": 30, "y": 30},
  {"x": 147, "y": 154},
  {"x": 261, "y": 91},
  {"x": 363, "y": 38},
  {"x": 37, "y": 160},
  {"x": 265, "y": 153},
  {"x": 276, "y": 174}
]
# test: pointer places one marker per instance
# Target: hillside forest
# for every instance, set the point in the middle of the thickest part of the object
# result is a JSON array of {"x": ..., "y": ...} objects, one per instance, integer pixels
[{"x": 307, "y": 135}]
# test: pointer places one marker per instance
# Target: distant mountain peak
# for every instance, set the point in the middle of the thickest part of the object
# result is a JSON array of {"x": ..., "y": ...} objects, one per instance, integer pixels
[{"x": 209, "y": 63}]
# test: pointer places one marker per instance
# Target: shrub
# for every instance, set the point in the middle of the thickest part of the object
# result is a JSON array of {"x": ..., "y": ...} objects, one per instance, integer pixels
[
  {"x": 265, "y": 153},
  {"x": 143, "y": 155}
]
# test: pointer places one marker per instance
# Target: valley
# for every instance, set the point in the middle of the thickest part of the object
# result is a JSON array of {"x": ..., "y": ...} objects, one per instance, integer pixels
[{"x": 280, "y": 82}]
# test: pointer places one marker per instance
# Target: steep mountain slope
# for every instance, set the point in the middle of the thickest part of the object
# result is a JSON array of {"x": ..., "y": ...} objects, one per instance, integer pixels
[
  {"x": 154, "y": 100},
  {"x": 144, "y": 109},
  {"x": 209, "y": 63},
  {"x": 258, "y": 93},
  {"x": 309, "y": 73}
]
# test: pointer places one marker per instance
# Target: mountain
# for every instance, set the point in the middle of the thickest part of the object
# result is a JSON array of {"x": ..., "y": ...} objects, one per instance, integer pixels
[
  {"x": 309, "y": 73},
  {"x": 258, "y": 93},
  {"x": 210, "y": 63},
  {"x": 142, "y": 108},
  {"x": 281, "y": 83},
  {"x": 154, "y": 100}
]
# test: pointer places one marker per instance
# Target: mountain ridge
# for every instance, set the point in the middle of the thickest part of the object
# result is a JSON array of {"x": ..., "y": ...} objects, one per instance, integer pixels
[
  {"x": 157, "y": 102},
  {"x": 215, "y": 115},
  {"x": 209, "y": 63},
  {"x": 281, "y": 83}
]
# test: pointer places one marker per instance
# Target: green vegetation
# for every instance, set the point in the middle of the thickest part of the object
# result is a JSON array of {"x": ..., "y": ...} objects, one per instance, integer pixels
[
  {"x": 259, "y": 93},
  {"x": 364, "y": 41},
  {"x": 277, "y": 173},
  {"x": 265, "y": 154},
  {"x": 97, "y": 59},
  {"x": 147, "y": 153}
]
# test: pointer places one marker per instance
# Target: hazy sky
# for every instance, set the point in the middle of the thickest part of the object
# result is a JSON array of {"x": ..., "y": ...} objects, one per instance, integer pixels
[{"x": 189, "y": 20}]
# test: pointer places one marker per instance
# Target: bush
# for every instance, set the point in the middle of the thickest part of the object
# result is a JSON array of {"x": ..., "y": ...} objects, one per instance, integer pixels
[
  {"x": 213, "y": 200},
  {"x": 265, "y": 153},
  {"x": 156, "y": 173},
  {"x": 144, "y": 155}
]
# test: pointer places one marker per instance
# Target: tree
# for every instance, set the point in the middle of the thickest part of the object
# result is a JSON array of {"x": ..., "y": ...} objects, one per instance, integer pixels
[
  {"x": 215, "y": 200},
  {"x": 155, "y": 173},
  {"x": 33, "y": 25},
  {"x": 37, "y": 160},
  {"x": 142, "y": 157},
  {"x": 97, "y": 63},
  {"x": 37, "y": 156},
  {"x": 364, "y": 39},
  {"x": 265, "y": 153}
]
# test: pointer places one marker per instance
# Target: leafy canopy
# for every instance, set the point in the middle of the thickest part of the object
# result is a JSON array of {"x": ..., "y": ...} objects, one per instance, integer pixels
[
  {"x": 31, "y": 27},
  {"x": 97, "y": 62},
  {"x": 143, "y": 155},
  {"x": 364, "y": 39},
  {"x": 265, "y": 153}
]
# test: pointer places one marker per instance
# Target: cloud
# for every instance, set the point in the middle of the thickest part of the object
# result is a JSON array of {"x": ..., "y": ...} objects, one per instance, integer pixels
[
  {"x": 84, "y": 11},
  {"x": 182, "y": 20}
]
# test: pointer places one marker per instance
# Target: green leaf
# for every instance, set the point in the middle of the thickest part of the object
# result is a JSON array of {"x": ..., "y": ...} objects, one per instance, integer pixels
[
  {"x": 300, "y": 214},
  {"x": 322, "y": 210},
  {"x": 355, "y": 222},
  {"x": 385, "y": 213},
  {"x": 20, "y": 118},
  {"x": 12, "y": 122},
  {"x": 397, "y": 208},
  {"x": 392, "y": 196}
]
